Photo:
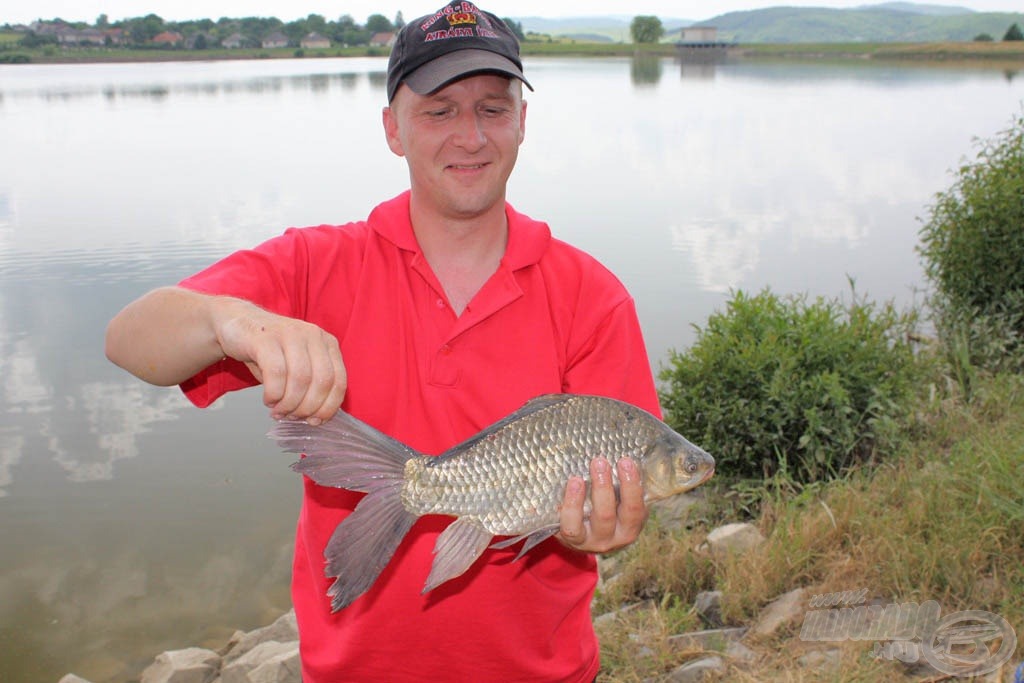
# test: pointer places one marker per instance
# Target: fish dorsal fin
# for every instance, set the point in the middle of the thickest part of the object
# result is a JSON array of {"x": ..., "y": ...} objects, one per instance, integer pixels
[{"x": 532, "y": 406}]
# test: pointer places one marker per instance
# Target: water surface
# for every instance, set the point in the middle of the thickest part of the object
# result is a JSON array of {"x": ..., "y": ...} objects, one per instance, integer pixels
[{"x": 131, "y": 522}]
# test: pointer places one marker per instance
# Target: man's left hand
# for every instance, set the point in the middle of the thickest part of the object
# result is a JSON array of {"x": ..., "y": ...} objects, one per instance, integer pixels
[{"x": 612, "y": 523}]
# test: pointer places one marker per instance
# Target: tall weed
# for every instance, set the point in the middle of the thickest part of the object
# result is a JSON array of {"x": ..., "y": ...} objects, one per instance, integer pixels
[{"x": 972, "y": 249}]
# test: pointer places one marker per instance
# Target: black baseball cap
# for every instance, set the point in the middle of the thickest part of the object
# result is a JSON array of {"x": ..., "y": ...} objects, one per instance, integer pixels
[{"x": 455, "y": 41}]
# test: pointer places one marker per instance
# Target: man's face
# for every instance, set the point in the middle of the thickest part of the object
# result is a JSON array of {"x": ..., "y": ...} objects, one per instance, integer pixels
[{"x": 460, "y": 142}]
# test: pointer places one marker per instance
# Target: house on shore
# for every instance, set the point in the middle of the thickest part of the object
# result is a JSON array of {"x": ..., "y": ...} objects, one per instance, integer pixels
[
  {"x": 275, "y": 39},
  {"x": 315, "y": 40},
  {"x": 700, "y": 35},
  {"x": 168, "y": 39},
  {"x": 234, "y": 41},
  {"x": 382, "y": 40}
]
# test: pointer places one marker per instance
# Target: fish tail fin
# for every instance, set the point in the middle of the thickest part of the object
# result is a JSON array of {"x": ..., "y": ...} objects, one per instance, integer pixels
[
  {"x": 347, "y": 453},
  {"x": 364, "y": 543},
  {"x": 344, "y": 452}
]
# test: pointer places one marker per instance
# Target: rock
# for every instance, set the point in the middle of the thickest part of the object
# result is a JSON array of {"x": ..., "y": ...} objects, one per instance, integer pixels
[
  {"x": 736, "y": 537},
  {"x": 714, "y": 639},
  {"x": 740, "y": 652},
  {"x": 192, "y": 665},
  {"x": 820, "y": 659},
  {"x": 709, "y": 608},
  {"x": 72, "y": 678},
  {"x": 240, "y": 670},
  {"x": 283, "y": 630},
  {"x": 778, "y": 613},
  {"x": 697, "y": 670},
  {"x": 283, "y": 668},
  {"x": 610, "y": 617}
]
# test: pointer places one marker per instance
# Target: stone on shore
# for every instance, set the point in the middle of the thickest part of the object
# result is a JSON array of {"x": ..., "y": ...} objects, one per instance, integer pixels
[
  {"x": 779, "y": 612},
  {"x": 283, "y": 630},
  {"x": 191, "y": 665},
  {"x": 243, "y": 669},
  {"x": 736, "y": 537}
]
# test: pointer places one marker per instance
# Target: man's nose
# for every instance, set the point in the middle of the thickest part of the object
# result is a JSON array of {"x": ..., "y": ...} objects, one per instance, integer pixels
[{"x": 469, "y": 133}]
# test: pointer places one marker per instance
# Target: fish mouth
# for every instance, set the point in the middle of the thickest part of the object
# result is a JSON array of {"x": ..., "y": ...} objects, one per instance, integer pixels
[{"x": 703, "y": 478}]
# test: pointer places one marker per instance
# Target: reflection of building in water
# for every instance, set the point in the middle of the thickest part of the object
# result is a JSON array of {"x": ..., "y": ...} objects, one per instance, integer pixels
[
  {"x": 699, "y": 50},
  {"x": 697, "y": 71}
]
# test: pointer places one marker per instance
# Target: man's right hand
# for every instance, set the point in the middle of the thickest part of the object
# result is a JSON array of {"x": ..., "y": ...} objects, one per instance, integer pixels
[
  {"x": 298, "y": 363},
  {"x": 171, "y": 333}
]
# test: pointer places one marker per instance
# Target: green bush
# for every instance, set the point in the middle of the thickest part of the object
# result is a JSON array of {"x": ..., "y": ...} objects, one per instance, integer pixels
[
  {"x": 783, "y": 386},
  {"x": 972, "y": 247}
]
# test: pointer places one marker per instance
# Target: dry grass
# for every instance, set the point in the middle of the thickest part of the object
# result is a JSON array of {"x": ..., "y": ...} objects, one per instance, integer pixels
[{"x": 942, "y": 521}]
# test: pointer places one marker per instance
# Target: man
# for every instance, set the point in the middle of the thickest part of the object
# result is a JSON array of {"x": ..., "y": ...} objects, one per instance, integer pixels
[{"x": 441, "y": 313}]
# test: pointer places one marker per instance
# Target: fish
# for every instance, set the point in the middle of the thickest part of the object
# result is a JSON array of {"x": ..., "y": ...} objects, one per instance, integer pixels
[{"x": 507, "y": 480}]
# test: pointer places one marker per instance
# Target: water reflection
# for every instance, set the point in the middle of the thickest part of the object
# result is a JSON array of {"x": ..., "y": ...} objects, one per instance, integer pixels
[
  {"x": 313, "y": 83},
  {"x": 163, "y": 80},
  {"x": 12, "y": 443},
  {"x": 163, "y": 521},
  {"x": 645, "y": 70}
]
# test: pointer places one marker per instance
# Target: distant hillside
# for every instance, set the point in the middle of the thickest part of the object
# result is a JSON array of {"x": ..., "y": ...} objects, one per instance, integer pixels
[
  {"x": 818, "y": 25},
  {"x": 882, "y": 23},
  {"x": 601, "y": 29},
  {"x": 914, "y": 8}
]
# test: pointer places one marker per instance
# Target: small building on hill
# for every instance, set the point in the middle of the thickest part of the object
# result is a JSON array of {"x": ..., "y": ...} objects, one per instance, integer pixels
[
  {"x": 234, "y": 41},
  {"x": 315, "y": 40},
  {"x": 275, "y": 39},
  {"x": 382, "y": 40},
  {"x": 168, "y": 39},
  {"x": 700, "y": 34}
]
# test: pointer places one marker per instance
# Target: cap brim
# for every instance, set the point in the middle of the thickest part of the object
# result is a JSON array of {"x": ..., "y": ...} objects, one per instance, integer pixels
[{"x": 439, "y": 72}]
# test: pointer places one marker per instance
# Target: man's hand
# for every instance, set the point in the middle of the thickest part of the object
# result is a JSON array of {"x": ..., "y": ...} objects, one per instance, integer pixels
[
  {"x": 612, "y": 524},
  {"x": 168, "y": 335},
  {"x": 298, "y": 363}
]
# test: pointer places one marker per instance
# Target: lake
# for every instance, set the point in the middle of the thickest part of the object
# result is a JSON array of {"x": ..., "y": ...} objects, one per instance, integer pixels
[{"x": 131, "y": 522}]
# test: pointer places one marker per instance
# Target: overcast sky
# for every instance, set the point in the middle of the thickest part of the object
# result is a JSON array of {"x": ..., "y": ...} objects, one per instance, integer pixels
[{"x": 25, "y": 11}]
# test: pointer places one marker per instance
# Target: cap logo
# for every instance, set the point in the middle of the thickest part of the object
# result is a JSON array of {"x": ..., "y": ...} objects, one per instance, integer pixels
[{"x": 461, "y": 18}]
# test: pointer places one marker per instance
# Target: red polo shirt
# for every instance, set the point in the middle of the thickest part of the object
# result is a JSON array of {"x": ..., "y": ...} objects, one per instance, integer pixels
[{"x": 551, "y": 319}]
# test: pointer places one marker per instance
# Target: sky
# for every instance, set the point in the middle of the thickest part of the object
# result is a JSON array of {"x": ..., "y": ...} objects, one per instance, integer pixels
[{"x": 26, "y": 11}]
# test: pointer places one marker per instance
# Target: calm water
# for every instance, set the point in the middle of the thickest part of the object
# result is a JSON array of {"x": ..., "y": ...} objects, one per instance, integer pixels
[{"x": 132, "y": 523}]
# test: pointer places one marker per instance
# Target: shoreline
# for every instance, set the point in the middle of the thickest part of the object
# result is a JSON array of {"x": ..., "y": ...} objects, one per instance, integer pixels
[{"x": 1001, "y": 54}]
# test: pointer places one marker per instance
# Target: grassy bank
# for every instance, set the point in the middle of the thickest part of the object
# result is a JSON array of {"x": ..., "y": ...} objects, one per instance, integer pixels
[
  {"x": 937, "y": 52},
  {"x": 1011, "y": 51},
  {"x": 942, "y": 519}
]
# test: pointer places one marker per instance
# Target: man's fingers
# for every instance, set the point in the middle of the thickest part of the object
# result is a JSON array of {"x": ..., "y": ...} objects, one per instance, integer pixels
[
  {"x": 299, "y": 364},
  {"x": 603, "y": 514},
  {"x": 632, "y": 512},
  {"x": 572, "y": 529},
  {"x": 614, "y": 520}
]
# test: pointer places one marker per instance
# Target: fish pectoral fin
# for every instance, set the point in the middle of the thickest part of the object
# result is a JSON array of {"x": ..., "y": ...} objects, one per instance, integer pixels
[
  {"x": 457, "y": 548},
  {"x": 532, "y": 539}
]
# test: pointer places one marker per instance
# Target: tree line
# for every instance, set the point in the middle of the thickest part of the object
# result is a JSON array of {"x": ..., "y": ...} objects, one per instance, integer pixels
[
  {"x": 140, "y": 31},
  {"x": 201, "y": 33}
]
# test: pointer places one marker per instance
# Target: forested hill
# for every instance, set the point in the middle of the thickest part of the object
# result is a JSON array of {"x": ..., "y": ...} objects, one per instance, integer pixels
[
  {"x": 885, "y": 22},
  {"x": 894, "y": 22}
]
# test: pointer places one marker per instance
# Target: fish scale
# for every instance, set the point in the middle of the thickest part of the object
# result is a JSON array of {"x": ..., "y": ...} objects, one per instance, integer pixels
[
  {"x": 508, "y": 480},
  {"x": 505, "y": 493}
]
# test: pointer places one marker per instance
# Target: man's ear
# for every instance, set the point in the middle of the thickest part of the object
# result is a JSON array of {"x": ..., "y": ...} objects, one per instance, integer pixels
[
  {"x": 390, "y": 119},
  {"x": 522, "y": 123}
]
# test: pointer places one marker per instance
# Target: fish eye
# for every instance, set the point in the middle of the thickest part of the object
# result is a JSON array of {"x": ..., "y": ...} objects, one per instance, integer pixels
[{"x": 691, "y": 466}]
